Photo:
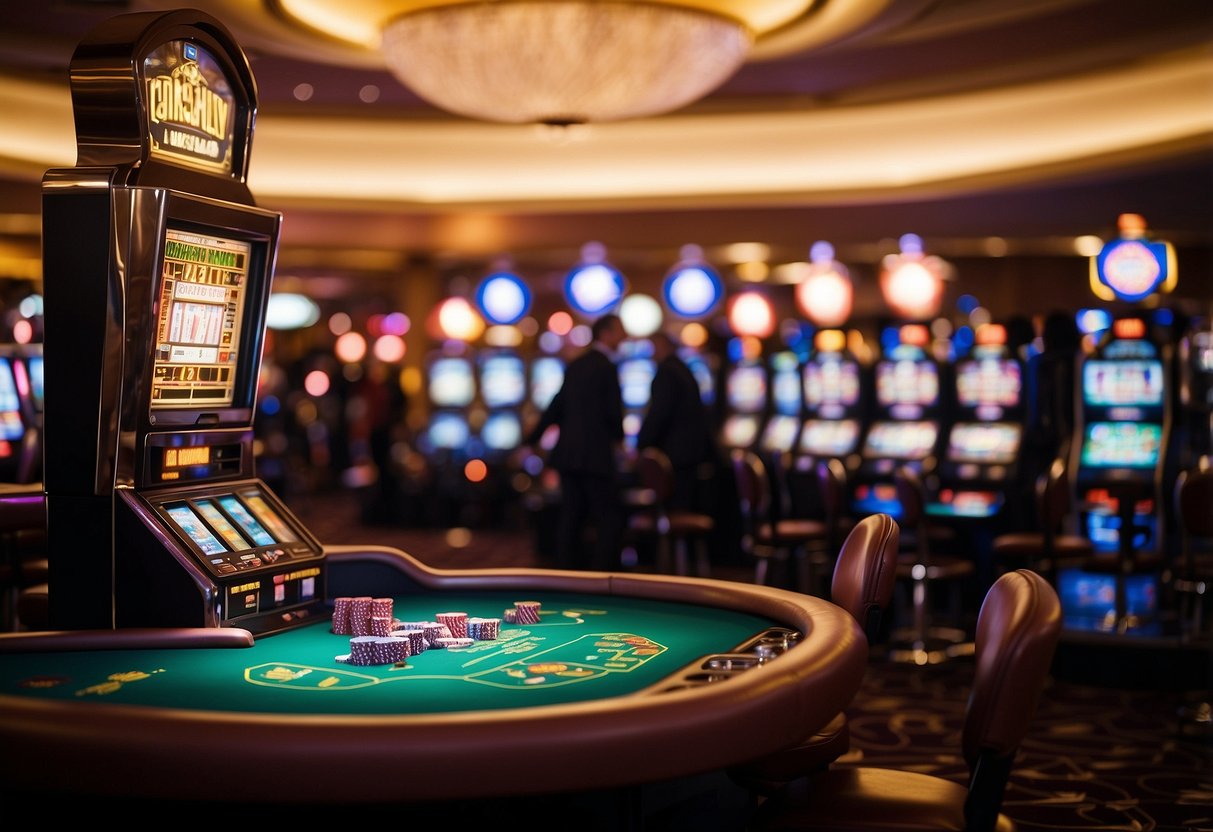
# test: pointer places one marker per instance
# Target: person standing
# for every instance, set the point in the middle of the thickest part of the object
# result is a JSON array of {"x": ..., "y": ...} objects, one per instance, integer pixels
[
  {"x": 677, "y": 422},
  {"x": 588, "y": 410}
]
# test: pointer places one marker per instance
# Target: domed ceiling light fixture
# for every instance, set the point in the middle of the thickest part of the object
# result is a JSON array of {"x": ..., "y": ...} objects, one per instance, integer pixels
[{"x": 562, "y": 62}]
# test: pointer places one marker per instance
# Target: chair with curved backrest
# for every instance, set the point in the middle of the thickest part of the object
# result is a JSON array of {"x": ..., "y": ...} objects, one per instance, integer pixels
[
  {"x": 1017, "y": 633},
  {"x": 924, "y": 641},
  {"x": 765, "y": 537},
  {"x": 1049, "y": 549},
  {"x": 1192, "y": 572},
  {"x": 864, "y": 574},
  {"x": 675, "y": 530}
]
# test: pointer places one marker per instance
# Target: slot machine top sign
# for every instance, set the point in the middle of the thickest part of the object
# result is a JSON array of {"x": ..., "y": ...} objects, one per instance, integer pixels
[
  {"x": 1132, "y": 267},
  {"x": 169, "y": 100}
]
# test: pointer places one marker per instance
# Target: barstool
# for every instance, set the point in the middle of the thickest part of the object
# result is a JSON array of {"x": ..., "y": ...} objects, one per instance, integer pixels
[
  {"x": 1050, "y": 549},
  {"x": 675, "y": 530}
]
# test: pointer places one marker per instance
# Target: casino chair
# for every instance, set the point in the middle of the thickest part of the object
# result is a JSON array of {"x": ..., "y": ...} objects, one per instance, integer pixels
[
  {"x": 1050, "y": 549},
  {"x": 924, "y": 641},
  {"x": 1192, "y": 571},
  {"x": 864, "y": 574},
  {"x": 766, "y": 537},
  {"x": 675, "y": 531},
  {"x": 1017, "y": 633}
]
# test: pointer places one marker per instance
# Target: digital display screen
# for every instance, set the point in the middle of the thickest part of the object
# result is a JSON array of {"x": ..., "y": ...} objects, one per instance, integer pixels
[
  {"x": 1122, "y": 383},
  {"x": 502, "y": 380},
  {"x": 36, "y": 383},
  {"x": 219, "y": 522},
  {"x": 451, "y": 382},
  {"x": 195, "y": 529},
  {"x": 740, "y": 431},
  {"x": 823, "y": 437},
  {"x": 11, "y": 426},
  {"x": 278, "y": 528},
  {"x": 786, "y": 395},
  {"x": 990, "y": 381},
  {"x": 636, "y": 381},
  {"x": 1121, "y": 445},
  {"x": 448, "y": 431},
  {"x": 988, "y": 443},
  {"x": 547, "y": 374},
  {"x": 780, "y": 433},
  {"x": 501, "y": 431},
  {"x": 201, "y": 302},
  {"x": 246, "y": 521},
  {"x": 907, "y": 382},
  {"x": 831, "y": 383},
  {"x": 900, "y": 440},
  {"x": 746, "y": 388}
]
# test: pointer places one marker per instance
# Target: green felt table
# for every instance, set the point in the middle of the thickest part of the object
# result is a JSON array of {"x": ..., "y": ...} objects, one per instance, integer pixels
[{"x": 627, "y": 679}]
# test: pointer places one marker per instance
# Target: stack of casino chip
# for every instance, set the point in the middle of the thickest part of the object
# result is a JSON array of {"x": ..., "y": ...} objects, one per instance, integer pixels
[
  {"x": 414, "y": 638},
  {"x": 455, "y": 643},
  {"x": 483, "y": 629},
  {"x": 526, "y": 612},
  {"x": 341, "y": 615},
  {"x": 380, "y": 626},
  {"x": 510, "y": 616},
  {"x": 360, "y": 615},
  {"x": 434, "y": 631},
  {"x": 456, "y": 622},
  {"x": 371, "y": 650},
  {"x": 362, "y": 650}
]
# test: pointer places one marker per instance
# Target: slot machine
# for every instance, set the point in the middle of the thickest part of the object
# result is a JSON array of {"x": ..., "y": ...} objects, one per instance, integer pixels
[
  {"x": 1196, "y": 392},
  {"x": 745, "y": 400},
  {"x": 907, "y": 423},
  {"x": 834, "y": 406},
  {"x": 1119, "y": 454},
  {"x": 157, "y": 272},
  {"x": 503, "y": 393},
  {"x": 451, "y": 390},
  {"x": 979, "y": 467},
  {"x": 783, "y": 425}
]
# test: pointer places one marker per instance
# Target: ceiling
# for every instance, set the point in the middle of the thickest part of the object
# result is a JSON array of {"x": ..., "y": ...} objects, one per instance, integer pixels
[{"x": 988, "y": 127}]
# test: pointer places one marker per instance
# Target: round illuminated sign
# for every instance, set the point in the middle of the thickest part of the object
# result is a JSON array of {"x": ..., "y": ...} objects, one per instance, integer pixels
[
  {"x": 594, "y": 287},
  {"x": 692, "y": 288},
  {"x": 503, "y": 298}
]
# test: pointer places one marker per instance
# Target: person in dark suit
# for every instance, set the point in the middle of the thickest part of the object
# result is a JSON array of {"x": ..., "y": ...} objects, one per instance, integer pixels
[
  {"x": 588, "y": 410},
  {"x": 677, "y": 422}
]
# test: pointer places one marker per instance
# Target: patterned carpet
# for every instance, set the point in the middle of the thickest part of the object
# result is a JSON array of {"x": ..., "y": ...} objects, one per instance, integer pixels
[{"x": 1113, "y": 745}]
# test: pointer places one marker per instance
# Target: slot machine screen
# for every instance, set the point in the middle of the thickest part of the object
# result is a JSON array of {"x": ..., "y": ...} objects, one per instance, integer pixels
[
  {"x": 192, "y": 526},
  {"x": 502, "y": 381},
  {"x": 451, "y": 382},
  {"x": 547, "y": 374},
  {"x": 900, "y": 440},
  {"x": 11, "y": 426},
  {"x": 907, "y": 383},
  {"x": 501, "y": 431},
  {"x": 36, "y": 384},
  {"x": 780, "y": 433},
  {"x": 746, "y": 389},
  {"x": 636, "y": 381},
  {"x": 1121, "y": 445},
  {"x": 740, "y": 431},
  {"x": 985, "y": 443},
  {"x": 204, "y": 289},
  {"x": 786, "y": 395},
  {"x": 1122, "y": 383},
  {"x": 831, "y": 383},
  {"x": 991, "y": 381},
  {"x": 824, "y": 437},
  {"x": 447, "y": 431}
]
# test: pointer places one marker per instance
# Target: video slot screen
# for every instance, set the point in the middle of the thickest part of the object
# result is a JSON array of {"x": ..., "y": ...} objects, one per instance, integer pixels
[
  {"x": 193, "y": 528},
  {"x": 501, "y": 431},
  {"x": 740, "y": 431},
  {"x": 636, "y": 381},
  {"x": 249, "y": 524},
  {"x": 36, "y": 381},
  {"x": 277, "y": 526},
  {"x": 746, "y": 388},
  {"x": 907, "y": 382},
  {"x": 201, "y": 311},
  {"x": 900, "y": 440},
  {"x": 1122, "y": 383},
  {"x": 502, "y": 380},
  {"x": 11, "y": 426},
  {"x": 451, "y": 382},
  {"x": 831, "y": 383},
  {"x": 823, "y": 437},
  {"x": 989, "y": 381},
  {"x": 224, "y": 527},
  {"x": 547, "y": 374},
  {"x": 447, "y": 431},
  {"x": 988, "y": 443},
  {"x": 780, "y": 433},
  {"x": 786, "y": 393},
  {"x": 1121, "y": 445}
]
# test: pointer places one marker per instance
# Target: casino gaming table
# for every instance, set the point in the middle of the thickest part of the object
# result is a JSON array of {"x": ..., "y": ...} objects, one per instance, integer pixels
[{"x": 625, "y": 679}]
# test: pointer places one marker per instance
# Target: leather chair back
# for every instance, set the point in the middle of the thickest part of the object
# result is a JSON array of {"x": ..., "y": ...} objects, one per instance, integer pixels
[
  {"x": 655, "y": 472},
  {"x": 866, "y": 571}
]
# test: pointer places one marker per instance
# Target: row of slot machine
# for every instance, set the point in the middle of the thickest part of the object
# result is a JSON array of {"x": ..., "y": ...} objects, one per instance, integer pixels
[
  {"x": 21, "y": 406},
  {"x": 1142, "y": 411}
]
